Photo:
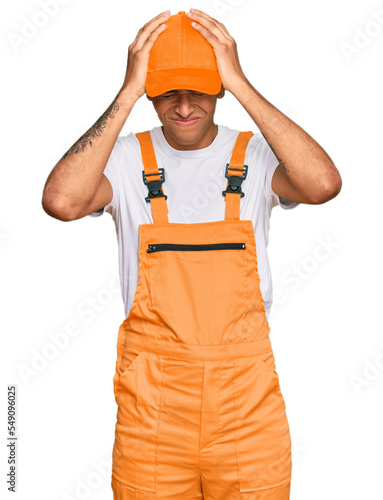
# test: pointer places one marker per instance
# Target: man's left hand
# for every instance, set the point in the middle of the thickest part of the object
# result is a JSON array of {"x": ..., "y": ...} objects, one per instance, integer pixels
[{"x": 224, "y": 47}]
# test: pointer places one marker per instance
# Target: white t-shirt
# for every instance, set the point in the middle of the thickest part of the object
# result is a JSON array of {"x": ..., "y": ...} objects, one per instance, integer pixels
[{"x": 194, "y": 181}]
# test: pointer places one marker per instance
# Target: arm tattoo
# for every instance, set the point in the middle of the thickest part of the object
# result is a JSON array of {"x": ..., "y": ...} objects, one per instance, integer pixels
[
  {"x": 283, "y": 167},
  {"x": 95, "y": 130}
]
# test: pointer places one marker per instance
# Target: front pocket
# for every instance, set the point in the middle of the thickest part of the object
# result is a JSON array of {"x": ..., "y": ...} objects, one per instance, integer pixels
[
  {"x": 267, "y": 361},
  {"x": 161, "y": 247},
  {"x": 199, "y": 290},
  {"x": 266, "y": 364},
  {"x": 126, "y": 358}
]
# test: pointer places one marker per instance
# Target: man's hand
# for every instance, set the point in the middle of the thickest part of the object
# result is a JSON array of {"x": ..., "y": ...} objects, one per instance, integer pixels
[
  {"x": 224, "y": 47},
  {"x": 138, "y": 57},
  {"x": 306, "y": 174}
]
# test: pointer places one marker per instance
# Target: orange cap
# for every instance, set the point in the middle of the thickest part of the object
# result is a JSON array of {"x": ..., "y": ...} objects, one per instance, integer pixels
[{"x": 181, "y": 58}]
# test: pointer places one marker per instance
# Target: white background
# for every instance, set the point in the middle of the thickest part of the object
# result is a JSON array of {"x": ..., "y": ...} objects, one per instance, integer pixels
[{"x": 326, "y": 326}]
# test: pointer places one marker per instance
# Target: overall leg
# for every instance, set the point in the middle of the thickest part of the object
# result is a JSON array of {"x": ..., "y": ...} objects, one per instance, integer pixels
[
  {"x": 245, "y": 440},
  {"x": 158, "y": 430}
]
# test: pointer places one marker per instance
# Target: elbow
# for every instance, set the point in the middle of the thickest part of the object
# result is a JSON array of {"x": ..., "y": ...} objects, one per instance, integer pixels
[
  {"x": 57, "y": 208},
  {"x": 333, "y": 187},
  {"x": 336, "y": 186},
  {"x": 330, "y": 189}
]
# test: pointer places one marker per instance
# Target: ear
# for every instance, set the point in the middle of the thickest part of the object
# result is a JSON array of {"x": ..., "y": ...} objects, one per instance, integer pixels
[{"x": 221, "y": 93}]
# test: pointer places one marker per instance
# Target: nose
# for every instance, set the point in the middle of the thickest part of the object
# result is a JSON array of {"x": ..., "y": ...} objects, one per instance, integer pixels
[{"x": 184, "y": 107}]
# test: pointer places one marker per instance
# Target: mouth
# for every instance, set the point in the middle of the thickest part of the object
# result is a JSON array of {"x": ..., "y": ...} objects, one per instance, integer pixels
[{"x": 185, "y": 123}]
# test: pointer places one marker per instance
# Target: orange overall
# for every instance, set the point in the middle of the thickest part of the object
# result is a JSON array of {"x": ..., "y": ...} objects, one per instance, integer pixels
[{"x": 200, "y": 411}]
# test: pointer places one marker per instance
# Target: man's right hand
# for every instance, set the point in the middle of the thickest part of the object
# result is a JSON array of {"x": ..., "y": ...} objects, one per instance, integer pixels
[
  {"x": 77, "y": 186},
  {"x": 138, "y": 57}
]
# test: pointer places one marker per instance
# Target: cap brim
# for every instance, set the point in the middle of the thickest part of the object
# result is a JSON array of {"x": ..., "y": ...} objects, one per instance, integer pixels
[{"x": 206, "y": 81}]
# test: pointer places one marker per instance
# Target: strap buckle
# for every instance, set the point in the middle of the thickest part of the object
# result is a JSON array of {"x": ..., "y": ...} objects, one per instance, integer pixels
[
  {"x": 154, "y": 187},
  {"x": 235, "y": 181}
]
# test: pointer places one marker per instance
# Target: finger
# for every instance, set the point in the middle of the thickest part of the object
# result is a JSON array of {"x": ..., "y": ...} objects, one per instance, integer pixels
[
  {"x": 223, "y": 28},
  {"x": 147, "y": 46},
  {"x": 208, "y": 35},
  {"x": 209, "y": 23},
  {"x": 206, "y": 16},
  {"x": 148, "y": 28},
  {"x": 155, "y": 21}
]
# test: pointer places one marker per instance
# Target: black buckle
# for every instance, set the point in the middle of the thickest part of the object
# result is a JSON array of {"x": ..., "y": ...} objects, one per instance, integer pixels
[
  {"x": 235, "y": 181},
  {"x": 154, "y": 187}
]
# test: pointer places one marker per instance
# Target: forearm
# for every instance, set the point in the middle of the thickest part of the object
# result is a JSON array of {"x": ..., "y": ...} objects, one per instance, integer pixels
[
  {"x": 306, "y": 173},
  {"x": 73, "y": 182},
  {"x": 305, "y": 163}
]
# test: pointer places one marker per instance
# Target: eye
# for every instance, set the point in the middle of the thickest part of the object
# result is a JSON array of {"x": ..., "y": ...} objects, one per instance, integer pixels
[
  {"x": 166, "y": 96},
  {"x": 198, "y": 94}
]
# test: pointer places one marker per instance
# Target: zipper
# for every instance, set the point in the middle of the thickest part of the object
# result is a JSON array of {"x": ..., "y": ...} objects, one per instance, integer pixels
[{"x": 160, "y": 247}]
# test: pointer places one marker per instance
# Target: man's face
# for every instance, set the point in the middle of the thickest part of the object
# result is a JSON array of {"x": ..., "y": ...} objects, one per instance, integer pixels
[{"x": 187, "y": 118}]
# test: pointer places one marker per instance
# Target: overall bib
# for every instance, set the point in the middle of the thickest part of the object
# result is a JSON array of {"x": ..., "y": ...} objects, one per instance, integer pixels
[{"x": 200, "y": 411}]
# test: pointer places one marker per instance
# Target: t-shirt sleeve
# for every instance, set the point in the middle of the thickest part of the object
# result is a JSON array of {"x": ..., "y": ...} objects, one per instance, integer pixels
[
  {"x": 270, "y": 163},
  {"x": 112, "y": 173}
]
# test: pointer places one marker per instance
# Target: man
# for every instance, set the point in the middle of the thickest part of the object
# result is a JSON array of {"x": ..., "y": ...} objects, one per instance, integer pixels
[{"x": 200, "y": 412}]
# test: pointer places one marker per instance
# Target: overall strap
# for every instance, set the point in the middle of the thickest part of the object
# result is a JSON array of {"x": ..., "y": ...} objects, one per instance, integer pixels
[
  {"x": 236, "y": 172},
  {"x": 153, "y": 177}
]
